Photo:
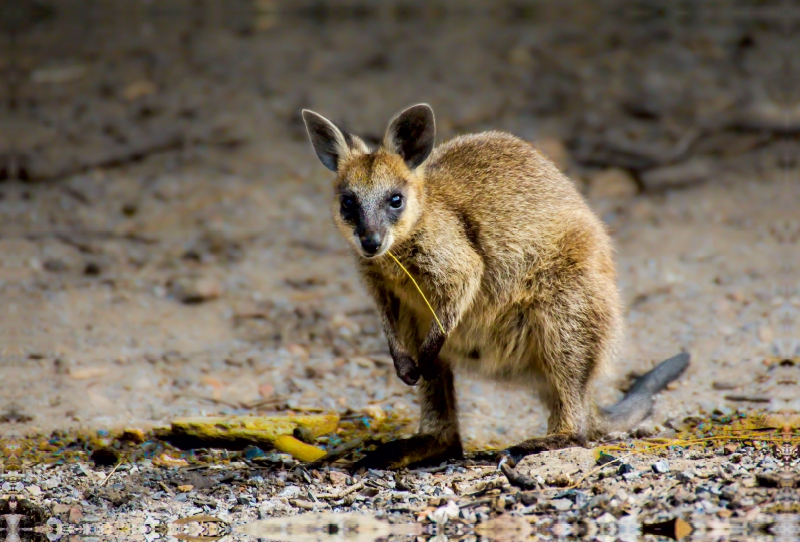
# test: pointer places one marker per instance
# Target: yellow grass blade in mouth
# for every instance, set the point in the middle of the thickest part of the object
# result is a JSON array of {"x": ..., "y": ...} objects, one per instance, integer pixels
[{"x": 418, "y": 289}]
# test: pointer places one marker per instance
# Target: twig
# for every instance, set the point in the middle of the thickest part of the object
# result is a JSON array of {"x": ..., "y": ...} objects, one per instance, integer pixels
[
  {"x": 166, "y": 488},
  {"x": 518, "y": 480},
  {"x": 110, "y": 474},
  {"x": 748, "y": 398},
  {"x": 477, "y": 502},
  {"x": 432, "y": 470},
  {"x": 345, "y": 492}
]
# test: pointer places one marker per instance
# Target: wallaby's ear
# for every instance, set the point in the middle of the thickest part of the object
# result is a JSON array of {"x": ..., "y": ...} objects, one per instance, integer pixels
[
  {"x": 411, "y": 134},
  {"x": 330, "y": 142}
]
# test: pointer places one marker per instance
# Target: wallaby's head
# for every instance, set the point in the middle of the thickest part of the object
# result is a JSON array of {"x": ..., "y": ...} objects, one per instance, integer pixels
[{"x": 378, "y": 193}]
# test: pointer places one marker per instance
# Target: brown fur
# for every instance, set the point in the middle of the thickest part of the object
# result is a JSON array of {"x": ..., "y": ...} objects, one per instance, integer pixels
[{"x": 518, "y": 268}]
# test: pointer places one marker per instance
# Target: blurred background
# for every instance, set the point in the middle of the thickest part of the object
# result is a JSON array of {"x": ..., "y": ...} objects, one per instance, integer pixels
[{"x": 166, "y": 246}]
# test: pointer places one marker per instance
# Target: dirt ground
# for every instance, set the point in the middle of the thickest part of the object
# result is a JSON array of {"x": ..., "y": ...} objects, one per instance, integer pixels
[
  {"x": 172, "y": 251},
  {"x": 166, "y": 249}
]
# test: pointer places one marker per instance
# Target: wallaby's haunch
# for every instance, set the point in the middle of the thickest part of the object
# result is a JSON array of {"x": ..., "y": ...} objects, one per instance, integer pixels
[{"x": 517, "y": 267}]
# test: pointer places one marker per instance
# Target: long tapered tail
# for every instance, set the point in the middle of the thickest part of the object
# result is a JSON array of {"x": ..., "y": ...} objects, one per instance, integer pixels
[{"x": 638, "y": 401}]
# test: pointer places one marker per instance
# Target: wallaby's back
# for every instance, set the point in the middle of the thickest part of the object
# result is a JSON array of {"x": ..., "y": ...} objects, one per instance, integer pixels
[{"x": 520, "y": 210}]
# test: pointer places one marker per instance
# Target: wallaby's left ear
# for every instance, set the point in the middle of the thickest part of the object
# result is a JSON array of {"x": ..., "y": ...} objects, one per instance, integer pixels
[
  {"x": 411, "y": 134},
  {"x": 329, "y": 141}
]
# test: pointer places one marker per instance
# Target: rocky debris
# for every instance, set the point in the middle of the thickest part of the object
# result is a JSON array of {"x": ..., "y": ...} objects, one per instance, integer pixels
[{"x": 460, "y": 498}]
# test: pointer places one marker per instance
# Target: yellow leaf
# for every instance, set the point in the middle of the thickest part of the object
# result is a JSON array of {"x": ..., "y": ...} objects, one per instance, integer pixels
[
  {"x": 297, "y": 449},
  {"x": 259, "y": 430},
  {"x": 164, "y": 460}
]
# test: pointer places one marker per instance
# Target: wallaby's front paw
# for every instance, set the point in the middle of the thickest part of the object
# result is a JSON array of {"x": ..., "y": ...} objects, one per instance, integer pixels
[{"x": 406, "y": 369}]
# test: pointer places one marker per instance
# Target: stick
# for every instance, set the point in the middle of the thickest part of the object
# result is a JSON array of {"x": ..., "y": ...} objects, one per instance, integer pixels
[
  {"x": 342, "y": 493},
  {"x": 518, "y": 480}
]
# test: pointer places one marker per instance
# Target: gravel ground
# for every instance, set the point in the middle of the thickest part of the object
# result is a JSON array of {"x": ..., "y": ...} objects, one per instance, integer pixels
[
  {"x": 168, "y": 252},
  {"x": 720, "y": 489}
]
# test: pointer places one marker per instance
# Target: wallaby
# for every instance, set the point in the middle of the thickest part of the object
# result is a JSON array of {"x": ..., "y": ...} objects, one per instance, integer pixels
[{"x": 517, "y": 268}]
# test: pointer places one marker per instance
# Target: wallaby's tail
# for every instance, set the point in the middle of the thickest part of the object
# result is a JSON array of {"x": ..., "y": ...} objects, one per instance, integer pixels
[{"x": 638, "y": 401}]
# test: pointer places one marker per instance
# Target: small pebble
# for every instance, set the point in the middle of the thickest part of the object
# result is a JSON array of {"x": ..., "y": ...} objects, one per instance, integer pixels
[
  {"x": 660, "y": 467},
  {"x": 561, "y": 504}
]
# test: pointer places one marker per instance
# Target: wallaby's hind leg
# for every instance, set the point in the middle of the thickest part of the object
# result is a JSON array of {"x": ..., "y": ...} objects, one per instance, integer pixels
[
  {"x": 567, "y": 426},
  {"x": 515, "y": 454},
  {"x": 568, "y": 373},
  {"x": 632, "y": 409},
  {"x": 438, "y": 438}
]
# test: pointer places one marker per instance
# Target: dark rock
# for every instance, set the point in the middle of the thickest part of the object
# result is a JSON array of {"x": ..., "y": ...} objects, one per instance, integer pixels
[
  {"x": 625, "y": 468},
  {"x": 92, "y": 269},
  {"x": 105, "y": 457}
]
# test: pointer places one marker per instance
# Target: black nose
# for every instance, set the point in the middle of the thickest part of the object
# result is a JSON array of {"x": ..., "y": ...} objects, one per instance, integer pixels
[{"x": 370, "y": 242}]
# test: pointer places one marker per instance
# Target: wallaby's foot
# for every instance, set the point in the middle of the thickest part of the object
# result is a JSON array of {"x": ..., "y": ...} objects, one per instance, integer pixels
[
  {"x": 417, "y": 450},
  {"x": 558, "y": 441}
]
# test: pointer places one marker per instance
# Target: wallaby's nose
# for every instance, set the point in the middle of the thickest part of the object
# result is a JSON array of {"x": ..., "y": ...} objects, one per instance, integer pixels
[{"x": 371, "y": 242}]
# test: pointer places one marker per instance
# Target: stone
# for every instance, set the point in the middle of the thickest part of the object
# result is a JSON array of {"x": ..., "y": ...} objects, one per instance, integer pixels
[
  {"x": 75, "y": 514},
  {"x": 290, "y": 492},
  {"x": 337, "y": 478},
  {"x": 195, "y": 289},
  {"x": 660, "y": 467},
  {"x": 561, "y": 504},
  {"x": 444, "y": 513},
  {"x": 606, "y": 519},
  {"x": 625, "y": 468},
  {"x": 33, "y": 490}
]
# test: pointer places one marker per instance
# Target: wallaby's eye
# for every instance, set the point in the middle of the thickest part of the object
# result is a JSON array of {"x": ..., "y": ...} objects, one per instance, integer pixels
[
  {"x": 348, "y": 203},
  {"x": 396, "y": 201}
]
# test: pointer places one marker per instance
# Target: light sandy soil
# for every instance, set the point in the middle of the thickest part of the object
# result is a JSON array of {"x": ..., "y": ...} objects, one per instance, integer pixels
[{"x": 228, "y": 200}]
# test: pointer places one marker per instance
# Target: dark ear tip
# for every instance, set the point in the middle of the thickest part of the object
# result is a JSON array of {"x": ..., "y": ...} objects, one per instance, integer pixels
[{"x": 421, "y": 108}]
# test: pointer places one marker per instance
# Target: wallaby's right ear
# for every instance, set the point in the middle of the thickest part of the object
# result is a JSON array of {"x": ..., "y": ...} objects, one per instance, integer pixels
[{"x": 330, "y": 142}]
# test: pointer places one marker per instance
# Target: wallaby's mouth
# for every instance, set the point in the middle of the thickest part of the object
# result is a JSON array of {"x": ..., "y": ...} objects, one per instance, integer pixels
[
  {"x": 381, "y": 251},
  {"x": 374, "y": 249}
]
